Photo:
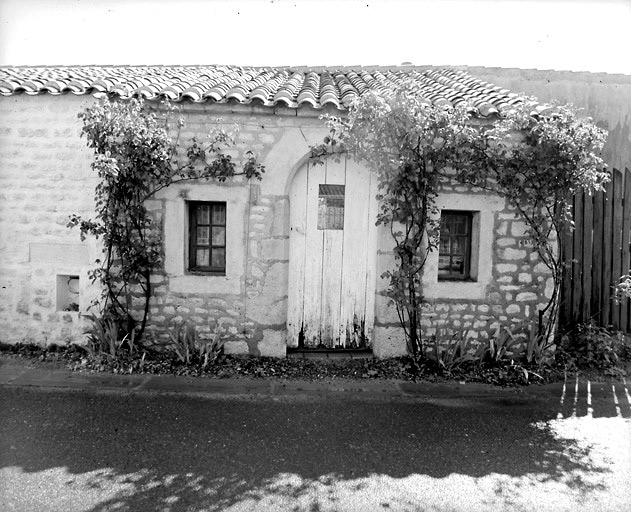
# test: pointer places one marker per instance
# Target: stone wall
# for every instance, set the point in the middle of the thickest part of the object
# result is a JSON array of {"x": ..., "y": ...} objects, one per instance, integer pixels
[
  {"x": 509, "y": 282},
  {"x": 45, "y": 176},
  {"x": 249, "y": 303}
]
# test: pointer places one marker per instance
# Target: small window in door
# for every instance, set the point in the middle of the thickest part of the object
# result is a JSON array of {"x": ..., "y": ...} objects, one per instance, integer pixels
[{"x": 331, "y": 207}]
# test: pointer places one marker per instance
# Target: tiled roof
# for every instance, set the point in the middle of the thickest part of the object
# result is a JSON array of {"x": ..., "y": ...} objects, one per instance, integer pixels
[{"x": 292, "y": 87}]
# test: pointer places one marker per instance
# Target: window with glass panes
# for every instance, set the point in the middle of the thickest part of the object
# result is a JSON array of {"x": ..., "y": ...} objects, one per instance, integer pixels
[
  {"x": 207, "y": 237},
  {"x": 331, "y": 207},
  {"x": 455, "y": 245}
]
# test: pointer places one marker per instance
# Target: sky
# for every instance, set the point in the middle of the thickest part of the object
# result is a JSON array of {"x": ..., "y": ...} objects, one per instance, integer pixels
[{"x": 570, "y": 35}]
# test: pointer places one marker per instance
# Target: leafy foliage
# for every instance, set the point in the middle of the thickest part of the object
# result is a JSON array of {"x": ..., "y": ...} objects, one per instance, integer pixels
[
  {"x": 450, "y": 354},
  {"x": 538, "y": 163},
  {"x": 409, "y": 144},
  {"x": 186, "y": 344},
  {"x": 102, "y": 336},
  {"x": 135, "y": 157},
  {"x": 596, "y": 347},
  {"x": 623, "y": 289}
]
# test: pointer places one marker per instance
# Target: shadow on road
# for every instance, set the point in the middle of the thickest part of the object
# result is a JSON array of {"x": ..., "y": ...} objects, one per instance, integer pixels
[{"x": 187, "y": 453}]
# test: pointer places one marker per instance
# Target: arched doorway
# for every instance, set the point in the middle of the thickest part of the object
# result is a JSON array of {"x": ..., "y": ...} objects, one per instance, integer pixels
[{"x": 332, "y": 258}]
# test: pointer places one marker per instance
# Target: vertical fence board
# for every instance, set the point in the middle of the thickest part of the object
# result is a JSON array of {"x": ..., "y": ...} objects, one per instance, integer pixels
[
  {"x": 606, "y": 278},
  {"x": 565, "y": 302},
  {"x": 596, "y": 254},
  {"x": 577, "y": 252},
  {"x": 586, "y": 258},
  {"x": 597, "y": 257},
  {"x": 616, "y": 243},
  {"x": 625, "y": 257}
]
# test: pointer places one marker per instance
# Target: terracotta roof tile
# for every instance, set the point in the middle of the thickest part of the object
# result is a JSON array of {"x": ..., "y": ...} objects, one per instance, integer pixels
[{"x": 293, "y": 87}]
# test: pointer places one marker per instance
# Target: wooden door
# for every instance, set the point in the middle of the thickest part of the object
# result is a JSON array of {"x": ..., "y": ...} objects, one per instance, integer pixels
[{"x": 333, "y": 249}]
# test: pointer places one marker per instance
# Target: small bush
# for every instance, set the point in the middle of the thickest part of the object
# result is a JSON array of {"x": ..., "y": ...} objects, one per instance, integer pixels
[
  {"x": 596, "y": 347},
  {"x": 189, "y": 348},
  {"x": 102, "y": 336}
]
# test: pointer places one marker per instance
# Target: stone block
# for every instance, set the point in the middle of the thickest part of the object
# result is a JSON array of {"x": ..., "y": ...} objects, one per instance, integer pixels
[
  {"x": 384, "y": 313},
  {"x": 59, "y": 254},
  {"x": 389, "y": 342},
  {"x": 541, "y": 268},
  {"x": 519, "y": 228},
  {"x": 505, "y": 242},
  {"x": 275, "y": 249},
  {"x": 524, "y": 278},
  {"x": 235, "y": 348},
  {"x": 280, "y": 222},
  {"x": 513, "y": 254},
  {"x": 265, "y": 312},
  {"x": 275, "y": 281},
  {"x": 257, "y": 271},
  {"x": 273, "y": 344},
  {"x": 266, "y": 138},
  {"x": 526, "y": 296},
  {"x": 504, "y": 268},
  {"x": 512, "y": 309}
]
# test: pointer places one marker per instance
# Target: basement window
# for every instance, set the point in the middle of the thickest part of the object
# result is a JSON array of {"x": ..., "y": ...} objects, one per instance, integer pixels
[
  {"x": 331, "y": 207},
  {"x": 68, "y": 287}
]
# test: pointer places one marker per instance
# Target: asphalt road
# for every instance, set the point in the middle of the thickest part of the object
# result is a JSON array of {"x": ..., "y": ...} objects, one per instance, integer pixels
[{"x": 72, "y": 450}]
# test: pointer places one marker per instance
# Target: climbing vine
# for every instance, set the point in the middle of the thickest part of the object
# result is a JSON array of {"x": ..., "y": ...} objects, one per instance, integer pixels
[
  {"x": 410, "y": 145},
  {"x": 135, "y": 156},
  {"x": 537, "y": 163}
]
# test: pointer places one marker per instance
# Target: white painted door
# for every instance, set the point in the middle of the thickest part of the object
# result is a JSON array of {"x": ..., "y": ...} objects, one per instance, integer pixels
[{"x": 333, "y": 250}]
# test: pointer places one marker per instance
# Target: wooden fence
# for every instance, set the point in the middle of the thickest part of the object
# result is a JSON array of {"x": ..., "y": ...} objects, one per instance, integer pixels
[{"x": 598, "y": 253}]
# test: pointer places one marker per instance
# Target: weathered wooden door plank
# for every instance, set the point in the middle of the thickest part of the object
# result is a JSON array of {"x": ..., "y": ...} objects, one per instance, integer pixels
[
  {"x": 332, "y": 268},
  {"x": 371, "y": 258},
  {"x": 314, "y": 247},
  {"x": 353, "y": 312},
  {"x": 297, "y": 254}
]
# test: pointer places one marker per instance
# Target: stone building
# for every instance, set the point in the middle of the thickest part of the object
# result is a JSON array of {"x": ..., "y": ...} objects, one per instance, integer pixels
[{"x": 294, "y": 257}]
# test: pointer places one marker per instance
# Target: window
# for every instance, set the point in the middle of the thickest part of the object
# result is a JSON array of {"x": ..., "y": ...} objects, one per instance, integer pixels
[
  {"x": 207, "y": 237},
  {"x": 454, "y": 253},
  {"x": 331, "y": 207}
]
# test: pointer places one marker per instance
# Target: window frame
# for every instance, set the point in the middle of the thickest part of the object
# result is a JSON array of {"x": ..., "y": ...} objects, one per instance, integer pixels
[
  {"x": 331, "y": 207},
  {"x": 192, "y": 266},
  {"x": 466, "y": 274}
]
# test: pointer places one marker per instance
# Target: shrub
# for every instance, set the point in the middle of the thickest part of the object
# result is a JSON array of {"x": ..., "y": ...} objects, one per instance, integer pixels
[
  {"x": 186, "y": 345},
  {"x": 102, "y": 336},
  {"x": 596, "y": 347}
]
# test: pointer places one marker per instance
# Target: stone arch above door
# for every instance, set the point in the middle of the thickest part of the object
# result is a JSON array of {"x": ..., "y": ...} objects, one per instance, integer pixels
[{"x": 332, "y": 255}]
